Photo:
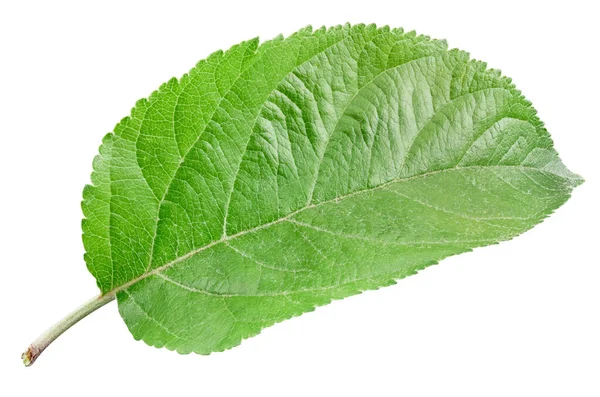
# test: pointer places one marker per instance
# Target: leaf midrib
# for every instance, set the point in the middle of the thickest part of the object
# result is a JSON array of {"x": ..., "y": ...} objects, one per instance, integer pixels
[{"x": 232, "y": 237}]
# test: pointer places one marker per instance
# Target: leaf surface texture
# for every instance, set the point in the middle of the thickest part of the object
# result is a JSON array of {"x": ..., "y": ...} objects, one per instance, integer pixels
[{"x": 276, "y": 177}]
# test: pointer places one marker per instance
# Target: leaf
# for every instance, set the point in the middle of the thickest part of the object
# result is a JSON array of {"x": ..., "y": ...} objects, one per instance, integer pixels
[{"x": 274, "y": 178}]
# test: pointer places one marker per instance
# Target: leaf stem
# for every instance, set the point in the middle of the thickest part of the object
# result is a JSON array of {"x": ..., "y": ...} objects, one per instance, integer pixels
[{"x": 44, "y": 340}]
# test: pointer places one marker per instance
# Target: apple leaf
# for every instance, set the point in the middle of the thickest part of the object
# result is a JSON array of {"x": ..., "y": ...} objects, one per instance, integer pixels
[{"x": 277, "y": 177}]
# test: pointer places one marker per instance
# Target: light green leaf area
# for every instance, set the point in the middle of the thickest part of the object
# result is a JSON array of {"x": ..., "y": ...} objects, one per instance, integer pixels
[{"x": 278, "y": 177}]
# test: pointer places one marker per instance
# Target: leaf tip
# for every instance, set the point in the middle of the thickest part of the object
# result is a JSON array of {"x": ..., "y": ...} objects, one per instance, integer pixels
[{"x": 576, "y": 180}]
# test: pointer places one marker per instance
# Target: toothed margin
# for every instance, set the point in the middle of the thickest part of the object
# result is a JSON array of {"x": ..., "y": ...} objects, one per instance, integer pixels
[{"x": 139, "y": 110}]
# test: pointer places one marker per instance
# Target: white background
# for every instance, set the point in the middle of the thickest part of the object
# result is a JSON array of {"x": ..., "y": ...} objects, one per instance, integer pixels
[{"x": 518, "y": 319}]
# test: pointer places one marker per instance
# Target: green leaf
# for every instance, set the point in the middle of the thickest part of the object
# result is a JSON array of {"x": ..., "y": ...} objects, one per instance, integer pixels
[{"x": 274, "y": 178}]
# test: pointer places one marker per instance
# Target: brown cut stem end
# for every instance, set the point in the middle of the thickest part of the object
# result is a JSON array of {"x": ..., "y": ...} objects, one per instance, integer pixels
[{"x": 30, "y": 355}]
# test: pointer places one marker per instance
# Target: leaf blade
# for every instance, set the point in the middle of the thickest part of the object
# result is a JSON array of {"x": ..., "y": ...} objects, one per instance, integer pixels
[{"x": 332, "y": 144}]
